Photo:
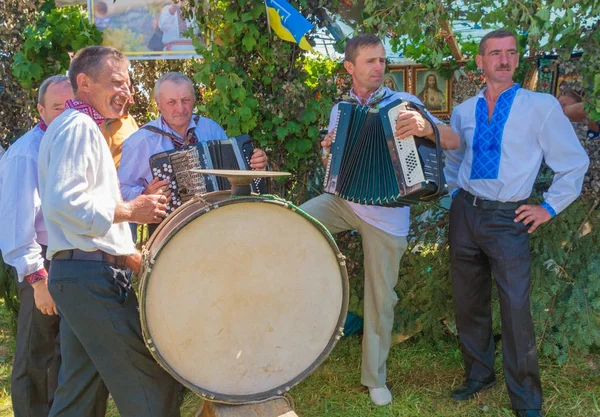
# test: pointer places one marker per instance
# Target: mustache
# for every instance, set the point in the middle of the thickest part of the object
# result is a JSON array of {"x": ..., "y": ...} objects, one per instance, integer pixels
[{"x": 503, "y": 67}]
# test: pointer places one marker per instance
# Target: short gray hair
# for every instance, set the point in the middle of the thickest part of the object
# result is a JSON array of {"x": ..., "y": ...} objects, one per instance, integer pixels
[
  {"x": 55, "y": 79},
  {"x": 174, "y": 77}
]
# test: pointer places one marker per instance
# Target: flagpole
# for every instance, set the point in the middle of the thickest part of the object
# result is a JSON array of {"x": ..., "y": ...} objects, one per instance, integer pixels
[{"x": 268, "y": 24}]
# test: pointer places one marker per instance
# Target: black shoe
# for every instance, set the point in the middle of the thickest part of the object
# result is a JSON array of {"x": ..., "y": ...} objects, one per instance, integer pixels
[
  {"x": 528, "y": 413},
  {"x": 470, "y": 388}
]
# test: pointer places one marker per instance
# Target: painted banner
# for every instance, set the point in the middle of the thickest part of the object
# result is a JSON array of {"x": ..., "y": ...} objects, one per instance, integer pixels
[{"x": 143, "y": 29}]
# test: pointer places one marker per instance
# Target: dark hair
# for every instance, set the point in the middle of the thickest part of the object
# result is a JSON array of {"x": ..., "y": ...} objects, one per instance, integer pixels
[
  {"x": 90, "y": 61},
  {"x": 495, "y": 34},
  {"x": 358, "y": 42}
]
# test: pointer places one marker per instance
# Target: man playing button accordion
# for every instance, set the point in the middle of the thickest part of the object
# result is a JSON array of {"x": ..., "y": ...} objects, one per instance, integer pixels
[
  {"x": 91, "y": 248},
  {"x": 505, "y": 131},
  {"x": 383, "y": 229},
  {"x": 176, "y": 127}
]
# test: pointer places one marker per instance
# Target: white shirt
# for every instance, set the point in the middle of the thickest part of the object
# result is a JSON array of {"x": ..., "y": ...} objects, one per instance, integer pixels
[
  {"x": 79, "y": 188},
  {"x": 534, "y": 127},
  {"x": 169, "y": 24},
  {"x": 2, "y": 151},
  {"x": 134, "y": 171},
  {"x": 21, "y": 219},
  {"x": 392, "y": 220}
]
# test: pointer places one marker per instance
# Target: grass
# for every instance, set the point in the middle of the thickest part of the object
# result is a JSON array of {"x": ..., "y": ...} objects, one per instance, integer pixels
[{"x": 419, "y": 376}]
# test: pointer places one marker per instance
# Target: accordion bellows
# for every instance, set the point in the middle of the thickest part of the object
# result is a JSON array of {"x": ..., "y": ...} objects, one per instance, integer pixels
[
  {"x": 367, "y": 165},
  {"x": 175, "y": 166}
]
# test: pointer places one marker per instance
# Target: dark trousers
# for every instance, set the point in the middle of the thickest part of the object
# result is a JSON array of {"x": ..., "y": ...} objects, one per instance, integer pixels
[
  {"x": 37, "y": 358},
  {"x": 102, "y": 346},
  {"x": 483, "y": 242}
]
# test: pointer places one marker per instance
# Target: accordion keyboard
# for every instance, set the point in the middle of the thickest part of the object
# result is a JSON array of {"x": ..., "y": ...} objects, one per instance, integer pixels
[{"x": 407, "y": 151}]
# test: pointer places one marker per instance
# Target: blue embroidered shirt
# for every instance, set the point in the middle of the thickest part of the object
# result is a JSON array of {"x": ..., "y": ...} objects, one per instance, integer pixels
[{"x": 499, "y": 159}]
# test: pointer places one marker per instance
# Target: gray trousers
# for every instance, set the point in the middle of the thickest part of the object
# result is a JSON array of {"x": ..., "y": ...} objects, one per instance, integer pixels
[
  {"x": 382, "y": 253},
  {"x": 37, "y": 358},
  {"x": 483, "y": 242},
  {"x": 102, "y": 346}
]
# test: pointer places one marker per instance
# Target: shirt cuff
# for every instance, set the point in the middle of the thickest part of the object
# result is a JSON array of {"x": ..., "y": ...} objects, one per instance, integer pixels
[
  {"x": 37, "y": 276},
  {"x": 549, "y": 209}
]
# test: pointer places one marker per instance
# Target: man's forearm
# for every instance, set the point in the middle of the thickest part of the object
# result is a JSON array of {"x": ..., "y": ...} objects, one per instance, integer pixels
[
  {"x": 123, "y": 212},
  {"x": 448, "y": 137}
]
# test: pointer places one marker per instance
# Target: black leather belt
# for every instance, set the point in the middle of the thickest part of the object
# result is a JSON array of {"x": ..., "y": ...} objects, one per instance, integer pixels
[
  {"x": 97, "y": 255},
  {"x": 490, "y": 204}
]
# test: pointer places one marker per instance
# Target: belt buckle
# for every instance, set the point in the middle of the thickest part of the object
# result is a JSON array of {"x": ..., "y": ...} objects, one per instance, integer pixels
[{"x": 474, "y": 201}]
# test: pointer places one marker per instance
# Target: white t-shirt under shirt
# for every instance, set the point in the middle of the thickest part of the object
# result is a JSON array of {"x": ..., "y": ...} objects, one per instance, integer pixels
[{"x": 392, "y": 220}]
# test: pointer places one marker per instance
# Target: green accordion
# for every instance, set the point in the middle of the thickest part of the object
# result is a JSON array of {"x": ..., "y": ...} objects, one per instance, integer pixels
[{"x": 367, "y": 165}]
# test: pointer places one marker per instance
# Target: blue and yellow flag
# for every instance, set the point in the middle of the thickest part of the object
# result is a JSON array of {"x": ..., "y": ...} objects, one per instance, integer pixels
[{"x": 288, "y": 23}]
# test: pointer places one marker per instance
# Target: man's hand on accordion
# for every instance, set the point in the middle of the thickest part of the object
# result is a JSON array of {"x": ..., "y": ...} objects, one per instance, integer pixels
[
  {"x": 258, "y": 160},
  {"x": 157, "y": 186},
  {"x": 326, "y": 145},
  {"x": 412, "y": 123}
]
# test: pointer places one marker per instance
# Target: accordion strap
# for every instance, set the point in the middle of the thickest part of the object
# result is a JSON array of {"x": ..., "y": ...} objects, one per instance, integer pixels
[
  {"x": 438, "y": 148},
  {"x": 177, "y": 141}
]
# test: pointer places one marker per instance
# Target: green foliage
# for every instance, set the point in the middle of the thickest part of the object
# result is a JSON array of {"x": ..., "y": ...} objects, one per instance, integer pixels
[
  {"x": 48, "y": 42},
  {"x": 16, "y": 101},
  {"x": 258, "y": 84}
]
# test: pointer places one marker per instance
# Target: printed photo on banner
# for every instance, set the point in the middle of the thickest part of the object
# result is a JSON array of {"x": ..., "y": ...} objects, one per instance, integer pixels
[
  {"x": 395, "y": 79},
  {"x": 144, "y": 29},
  {"x": 433, "y": 90}
]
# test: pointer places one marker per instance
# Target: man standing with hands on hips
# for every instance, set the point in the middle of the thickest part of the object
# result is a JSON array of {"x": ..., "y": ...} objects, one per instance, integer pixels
[{"x": 505, "y": 131}]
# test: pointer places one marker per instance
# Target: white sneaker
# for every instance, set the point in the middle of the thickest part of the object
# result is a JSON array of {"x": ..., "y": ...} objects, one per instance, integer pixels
[{"x": 381, "y": 395}]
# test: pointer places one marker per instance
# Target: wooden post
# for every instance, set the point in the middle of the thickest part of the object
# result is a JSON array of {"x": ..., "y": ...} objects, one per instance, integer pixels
[
  {"x": 450, "y": 39},
  {"x": 276, "y": 407}
]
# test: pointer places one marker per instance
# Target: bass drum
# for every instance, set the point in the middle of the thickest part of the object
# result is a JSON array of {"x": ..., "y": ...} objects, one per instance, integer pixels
[{"x": 242, "y": 298}]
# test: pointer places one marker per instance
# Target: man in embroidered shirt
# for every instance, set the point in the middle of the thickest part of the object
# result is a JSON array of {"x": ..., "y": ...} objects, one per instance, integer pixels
[
  {"x": 90, "y": 246},
  {"x": 383, "y": 229},
  {"x": 23, "y": 244},
  {"x": 505, "y": 131},
  {"x": 174, "y": 95}
]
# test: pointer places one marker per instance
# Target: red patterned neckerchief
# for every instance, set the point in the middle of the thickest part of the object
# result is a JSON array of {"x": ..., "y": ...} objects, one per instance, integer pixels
[
  {"x": 86, "y": 109},
  {"x": 43, "y": 125}
]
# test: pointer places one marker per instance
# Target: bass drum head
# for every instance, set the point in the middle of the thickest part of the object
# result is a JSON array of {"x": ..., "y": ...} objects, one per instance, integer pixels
[{"x": 244, "y": 300}]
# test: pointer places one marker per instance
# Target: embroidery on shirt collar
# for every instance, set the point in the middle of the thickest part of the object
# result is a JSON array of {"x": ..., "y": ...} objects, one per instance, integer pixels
[
  {"x": 487, "y": 138},
  {"x": 85, "y": 109},
  {"x": 375, "y": 98}
]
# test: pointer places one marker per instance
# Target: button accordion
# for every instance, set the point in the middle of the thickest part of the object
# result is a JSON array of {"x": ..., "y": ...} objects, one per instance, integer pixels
[
  {"x": 367, "y": 165},
  {"x": 175, "y": 166}
]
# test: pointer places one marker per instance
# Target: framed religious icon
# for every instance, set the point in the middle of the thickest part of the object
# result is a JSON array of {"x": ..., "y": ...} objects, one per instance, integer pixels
[
  {"x": 567, "y": 74},
  {"x": 433, "y": 90},
  {"x": 395, "y": 78}
]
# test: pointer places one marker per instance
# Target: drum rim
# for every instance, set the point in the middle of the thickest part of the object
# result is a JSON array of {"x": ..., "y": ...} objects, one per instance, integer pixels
[{"x": 273, "y": 392}]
